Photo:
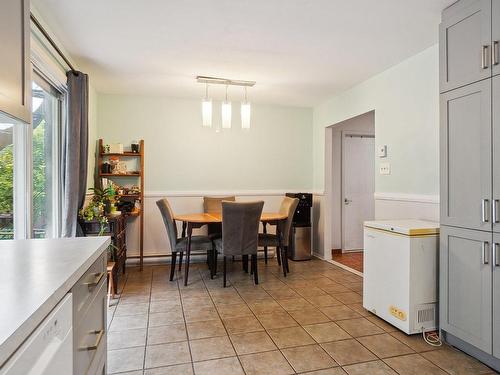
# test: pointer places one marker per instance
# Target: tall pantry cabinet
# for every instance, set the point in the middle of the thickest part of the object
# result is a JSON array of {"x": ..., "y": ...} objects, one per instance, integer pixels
[{"x": 470, "y": 178}]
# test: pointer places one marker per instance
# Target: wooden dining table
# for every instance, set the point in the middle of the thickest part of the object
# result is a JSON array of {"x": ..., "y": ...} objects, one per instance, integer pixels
[{"x": 197, "y": 220}]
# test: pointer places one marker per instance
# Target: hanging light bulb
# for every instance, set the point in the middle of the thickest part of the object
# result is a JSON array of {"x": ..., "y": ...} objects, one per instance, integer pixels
[
  {"x": 206, "y": 109},
  {"x": 226, "y": 113},
  {"x": 245, "y": 112}
]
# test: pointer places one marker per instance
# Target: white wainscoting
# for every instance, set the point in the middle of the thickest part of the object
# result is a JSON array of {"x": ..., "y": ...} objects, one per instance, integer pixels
[{"x": 182, "y": 202}]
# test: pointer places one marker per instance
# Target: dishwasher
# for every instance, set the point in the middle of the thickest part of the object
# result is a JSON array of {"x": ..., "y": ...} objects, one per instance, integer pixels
[{"x": 49, "y": 349}]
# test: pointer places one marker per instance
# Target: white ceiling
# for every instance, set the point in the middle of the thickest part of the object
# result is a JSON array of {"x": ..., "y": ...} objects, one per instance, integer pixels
[{"x": 299, "y": 51}]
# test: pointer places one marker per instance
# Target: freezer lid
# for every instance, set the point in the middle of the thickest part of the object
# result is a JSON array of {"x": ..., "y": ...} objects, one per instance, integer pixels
[{"x": 409, "y": 227}]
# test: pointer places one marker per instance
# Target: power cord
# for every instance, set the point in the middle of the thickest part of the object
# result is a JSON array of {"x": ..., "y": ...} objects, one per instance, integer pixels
[{"x": 431, "y": 337}]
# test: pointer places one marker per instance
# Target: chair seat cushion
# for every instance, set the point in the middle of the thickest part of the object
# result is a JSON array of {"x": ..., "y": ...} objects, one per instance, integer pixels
[
  {"x": 267, "y": 239},
  {"x": 198, "y": 243}
]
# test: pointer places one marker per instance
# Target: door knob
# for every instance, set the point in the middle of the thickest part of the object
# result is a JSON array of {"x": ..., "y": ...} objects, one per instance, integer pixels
[{"x": 347, "y": 201}]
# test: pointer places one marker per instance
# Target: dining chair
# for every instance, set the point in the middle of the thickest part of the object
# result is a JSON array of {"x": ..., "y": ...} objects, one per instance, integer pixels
[
  {"x": 240, "y": 232},
  {"x": 288, "y": 207},
  {"x": 179, "y": 245},
  {"x": 214, "y": 205}
]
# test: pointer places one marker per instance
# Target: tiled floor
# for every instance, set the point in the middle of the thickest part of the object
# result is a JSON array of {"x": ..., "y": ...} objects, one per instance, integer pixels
[
  {"x": 311, "y": 322},
  {"x": 352, "y": 260}
]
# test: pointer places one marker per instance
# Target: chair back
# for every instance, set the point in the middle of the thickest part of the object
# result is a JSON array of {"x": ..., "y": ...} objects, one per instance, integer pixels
[
  {"x": 288, "y": 207},
  {"x": 168, "y": 219},
  {"x": 240, "y": 227},
  {"x": 213, "y": 205}
]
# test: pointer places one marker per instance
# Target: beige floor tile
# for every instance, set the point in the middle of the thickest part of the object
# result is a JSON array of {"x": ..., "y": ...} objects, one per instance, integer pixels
[
  {"x": 324, "y": 301},
  {"x": 199, "y": 314},
  {"x": 253, "y": 342},
  {"x": 122, "y": 323},
  {"x": 385, "y": 345},
  {"x": 122, "y": 360},
  {"x": 167, "y": 334},
  {"x": 347, "y": 352},
  {"x": 359, "y": 327},
  {"x": 330, "y": 371},
  {"x": 234, "y": 311},
  {"x": 310, "y": 292},
  {"x": 126, "y": 339},
  {"x": 295, "y": 304},
  {"x": 165, "y": 306},
  {"x": 335, "y": 288},
  {"x": 185, "y": 369},
  {"x": 309, "y": 316},
  {"x": 414, "y": 364},
  {"x": 267, "y": 363},
  {"x": 224, "y": 366},
  {"x": 416, "y": 342},
  {"x": 211, "y": 348},
  {"x": 290, "y": 337},
  {"x": 339, "y": 312},
  {"x": 358, "y": 307},
  {"x": 326, "y": 332},
  {"x": 202, "y": 330},
  {"x": 456, "y": 362},
  {"x": 163, "y": 319},
  {"x": 128, "y": 309},
  {"x": 242, "y": 325},
  {"x": 387, "y": 327},
  {"x": 308, "y": 358},
  {"x": 276, "y": 320},
  {"x": 197, "y": 302},
  {"x": 283, "y": 293},
  {"x": 167, "y": 354},
  {"x": 266, "y": 307},
  {"x": 371, "y": 368}
]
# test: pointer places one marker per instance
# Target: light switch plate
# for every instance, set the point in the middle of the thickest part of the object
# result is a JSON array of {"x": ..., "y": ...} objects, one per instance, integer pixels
[
  {"x": 382, "y": 151},
  {"x": 385, "y": 168}
]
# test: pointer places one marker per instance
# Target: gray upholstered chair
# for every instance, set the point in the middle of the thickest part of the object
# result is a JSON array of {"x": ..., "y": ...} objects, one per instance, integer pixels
[
  {"x": 213, "y": 205},
  {"x": 179, "y": 245},
  {"x": 288, "y": 207},
  {"x": 240, "y": 232}
]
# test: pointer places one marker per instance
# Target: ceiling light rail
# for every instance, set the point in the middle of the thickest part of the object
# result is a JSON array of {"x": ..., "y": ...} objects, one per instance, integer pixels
[{"x": 224, "y": 81}]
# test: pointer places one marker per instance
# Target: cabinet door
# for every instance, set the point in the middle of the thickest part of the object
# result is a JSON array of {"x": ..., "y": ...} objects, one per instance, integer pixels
[
  {"x": 495, "y": 36},
  {"x": 496, "y": 154},
  {"x": 466, "y": 285},
  {"x": 466, "y": 156},
  {"x": 15, "y": 68},
  {"x": 496, "y": 295},
  {"x": 465, "y": 43}
]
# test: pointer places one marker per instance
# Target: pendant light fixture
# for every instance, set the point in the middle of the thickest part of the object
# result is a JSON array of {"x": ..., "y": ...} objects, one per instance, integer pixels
[
  {"x": 226, "y": 113},
  {"x": 226, "y": 108},
  {"x": 206, "y": 109},
  {"x": 245, "y": 112}
]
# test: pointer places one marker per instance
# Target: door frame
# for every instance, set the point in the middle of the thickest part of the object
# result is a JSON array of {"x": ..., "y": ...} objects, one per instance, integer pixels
[{"x": 344, "y": 134}]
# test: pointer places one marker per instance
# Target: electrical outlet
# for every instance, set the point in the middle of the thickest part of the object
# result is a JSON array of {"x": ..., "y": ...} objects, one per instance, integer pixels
[
  {"x": 382, "y": 151},
  {"x": 385, "y": 168}
]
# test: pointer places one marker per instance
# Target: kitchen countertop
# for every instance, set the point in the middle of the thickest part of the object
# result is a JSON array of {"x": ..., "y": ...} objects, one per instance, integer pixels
[{"x": 35, "y": 276}]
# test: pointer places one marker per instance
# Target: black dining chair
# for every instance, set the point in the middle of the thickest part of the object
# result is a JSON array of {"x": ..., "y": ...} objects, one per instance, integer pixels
[
  {"x": 240, "y": 232},
  {"x": 179, "y": 245}
]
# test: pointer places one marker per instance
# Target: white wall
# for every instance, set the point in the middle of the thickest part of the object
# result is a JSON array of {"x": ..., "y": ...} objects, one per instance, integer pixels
[
  {"x": 184, "y": 161},
  {"x": 405, "y": 99}
]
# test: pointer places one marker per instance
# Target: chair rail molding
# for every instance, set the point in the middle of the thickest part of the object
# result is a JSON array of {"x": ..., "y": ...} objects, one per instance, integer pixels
[
  {"x": 405, "y": 197},
  {"x": 201, "y": 193}
]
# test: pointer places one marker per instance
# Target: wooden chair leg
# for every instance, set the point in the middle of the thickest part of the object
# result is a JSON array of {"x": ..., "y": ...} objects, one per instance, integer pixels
[
  {"x": 265, "y": 254},
  {"x": 255, "y": 273},
  {"x": 225, "y": 269},
  {"x": 180, "y": 261},
  {"x": 278, "y": 255},
  {"x": 172, "y": 265}
]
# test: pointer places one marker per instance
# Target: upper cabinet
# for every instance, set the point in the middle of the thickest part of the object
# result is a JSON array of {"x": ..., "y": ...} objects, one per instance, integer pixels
[
  {"x": 467, "y": 52},
  {"x": 15, "y": 67}
]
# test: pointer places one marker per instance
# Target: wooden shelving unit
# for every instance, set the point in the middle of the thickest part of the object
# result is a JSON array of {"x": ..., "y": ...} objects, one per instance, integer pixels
[{"x": 101, "y": 157}]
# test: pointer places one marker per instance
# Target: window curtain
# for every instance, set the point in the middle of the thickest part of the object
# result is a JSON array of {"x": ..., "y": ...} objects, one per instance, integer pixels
[{"x": 75, "y": 153}]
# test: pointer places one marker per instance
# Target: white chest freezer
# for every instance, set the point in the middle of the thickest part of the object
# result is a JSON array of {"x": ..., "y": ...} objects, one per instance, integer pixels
[{"x": 400, "y": 272}]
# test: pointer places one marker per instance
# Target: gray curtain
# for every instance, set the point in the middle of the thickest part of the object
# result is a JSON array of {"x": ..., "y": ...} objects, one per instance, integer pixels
[{"x": 75, "y": 153}]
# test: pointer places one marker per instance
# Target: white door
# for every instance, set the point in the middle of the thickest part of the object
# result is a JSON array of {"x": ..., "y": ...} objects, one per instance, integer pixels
[{"x": 358, "y": 174}]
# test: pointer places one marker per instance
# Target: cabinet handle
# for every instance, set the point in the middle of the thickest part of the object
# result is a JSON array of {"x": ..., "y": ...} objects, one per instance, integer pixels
[
  {"x": 484, "y": 57},
  {"x": 494, "y": 55},
  {"x": 494, "y": 210},
  {"x": 97, "y": 279},
  {"x": 99, "y": 334},
  {"x": 485, "y": 256},
  {"x": 485, "y": 217},
  {"x": 496, "y": 254}
]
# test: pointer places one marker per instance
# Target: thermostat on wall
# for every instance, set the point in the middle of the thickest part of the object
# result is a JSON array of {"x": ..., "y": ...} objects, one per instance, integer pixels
[{"x": 382, "y": 151}]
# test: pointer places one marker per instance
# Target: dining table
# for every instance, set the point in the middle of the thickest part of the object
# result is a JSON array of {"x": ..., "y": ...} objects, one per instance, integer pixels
[{"x": 198, "y": 220}]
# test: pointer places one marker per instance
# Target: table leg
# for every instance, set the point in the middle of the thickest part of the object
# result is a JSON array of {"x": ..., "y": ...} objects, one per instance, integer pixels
[{"x": 188, "y": 252}]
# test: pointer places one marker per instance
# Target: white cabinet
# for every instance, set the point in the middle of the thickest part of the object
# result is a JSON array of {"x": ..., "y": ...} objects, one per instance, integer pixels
[{"x": 15, "y": 66}]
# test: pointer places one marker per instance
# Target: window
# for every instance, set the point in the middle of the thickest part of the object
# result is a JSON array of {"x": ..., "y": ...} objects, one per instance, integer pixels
[
  {"x": 46, "y": 126},
  {"x": 6, "y": 177}
]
